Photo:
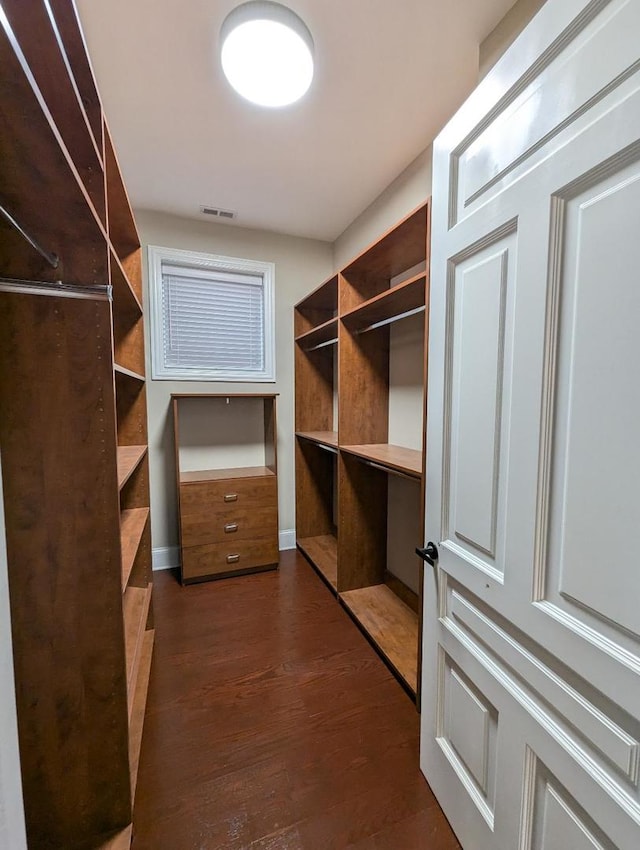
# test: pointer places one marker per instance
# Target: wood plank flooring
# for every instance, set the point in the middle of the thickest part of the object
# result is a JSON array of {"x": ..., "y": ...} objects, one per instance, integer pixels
[{"x": 272, "y": 724}]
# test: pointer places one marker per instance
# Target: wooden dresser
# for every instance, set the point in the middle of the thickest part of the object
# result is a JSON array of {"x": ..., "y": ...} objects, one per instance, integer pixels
[{"x": 228, "y": 516}]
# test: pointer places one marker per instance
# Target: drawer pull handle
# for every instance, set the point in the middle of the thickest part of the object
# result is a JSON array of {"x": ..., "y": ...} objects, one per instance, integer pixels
[
  {"x": 233, "y": 559},
  {"x": 231, "y": 497},
  {"x": 230, "y": 527}
]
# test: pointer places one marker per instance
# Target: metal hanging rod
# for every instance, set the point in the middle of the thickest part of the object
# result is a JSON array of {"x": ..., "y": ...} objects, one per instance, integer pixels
[
  {"x": 97, "y": 292},
  {"x": 331, "y": 449},
  {"x": 322, "y": 344},
  {"x": 52, "y": 259},
  {"x": 388, "y": 469},
  {"x": 391, "y": 319}
]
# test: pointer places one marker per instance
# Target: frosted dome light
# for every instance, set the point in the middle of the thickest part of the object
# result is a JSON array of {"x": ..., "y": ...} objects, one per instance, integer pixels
[{"x": 267, "y": 53}]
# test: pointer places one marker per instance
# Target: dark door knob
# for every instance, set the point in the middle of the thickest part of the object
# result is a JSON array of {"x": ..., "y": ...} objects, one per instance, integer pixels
[{"x": 429, "y": 553}]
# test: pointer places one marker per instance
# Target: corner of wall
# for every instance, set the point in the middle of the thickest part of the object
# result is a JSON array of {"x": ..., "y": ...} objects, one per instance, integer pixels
[
  {"x": 410, "y": 189},
  {"x": 505, "y": 33}
]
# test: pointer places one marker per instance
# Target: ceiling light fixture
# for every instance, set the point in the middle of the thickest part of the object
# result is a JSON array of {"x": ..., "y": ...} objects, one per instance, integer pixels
[{"x": 267, "y": 53}]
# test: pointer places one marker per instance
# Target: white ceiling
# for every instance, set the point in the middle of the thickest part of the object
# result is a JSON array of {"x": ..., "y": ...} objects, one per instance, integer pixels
[{"x": 389, "y": 73}]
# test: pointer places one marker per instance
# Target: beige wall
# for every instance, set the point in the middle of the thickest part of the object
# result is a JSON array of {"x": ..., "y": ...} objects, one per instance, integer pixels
[
  {"x": 506, "y": 32},
  {"x": 300, "y": 265},
  {"x": 410, "y": 189},
  {"x": 413, "y": 185}
]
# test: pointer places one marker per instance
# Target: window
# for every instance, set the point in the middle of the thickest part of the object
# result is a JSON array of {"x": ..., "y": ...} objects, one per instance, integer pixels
[{"x": 211, "y": 317}]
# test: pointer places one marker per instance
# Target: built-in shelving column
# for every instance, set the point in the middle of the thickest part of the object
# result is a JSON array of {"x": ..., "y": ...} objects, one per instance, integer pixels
[
  {"x": 131, "y": 407},
  {"x": 316, "y": 341},
  {"x": 378, "y": 582},
  {"x": 73, "y": 437}
]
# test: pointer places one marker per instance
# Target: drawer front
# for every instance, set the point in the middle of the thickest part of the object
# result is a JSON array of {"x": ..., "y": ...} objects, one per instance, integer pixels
[
  {"x": 211, "y": 496},
  {"x": 211, "y": 525},
  {"x": 219, "y": 558}
]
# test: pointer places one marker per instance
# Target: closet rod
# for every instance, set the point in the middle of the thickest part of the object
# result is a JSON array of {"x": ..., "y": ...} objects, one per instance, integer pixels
[
  {"x": 330, "y": 449},
  {"x": 391, "y": 319},
  {"x": 388, "y": 469},
  {"x": 52, "y": 259},
  {"x": 322, "y": 345},
  {"x": 96, "y": 292}
]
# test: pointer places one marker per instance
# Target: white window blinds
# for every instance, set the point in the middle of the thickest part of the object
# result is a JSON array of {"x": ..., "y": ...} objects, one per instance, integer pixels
[{"x": 213, "y": 321}]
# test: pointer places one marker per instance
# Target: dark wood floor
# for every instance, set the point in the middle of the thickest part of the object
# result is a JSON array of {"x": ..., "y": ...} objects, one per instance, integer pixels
[{"x": 273, "y": 725}]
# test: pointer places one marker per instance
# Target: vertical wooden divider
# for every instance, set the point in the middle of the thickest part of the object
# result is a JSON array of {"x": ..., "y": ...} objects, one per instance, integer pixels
[{"x": 57, "y": 434}]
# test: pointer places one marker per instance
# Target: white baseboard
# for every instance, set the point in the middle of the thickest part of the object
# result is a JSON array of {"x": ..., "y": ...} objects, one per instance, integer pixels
[
  {"x": 168, "y": 557},
  {"x": 288, "y": 539},
  {"x": 165, "y": 558}
]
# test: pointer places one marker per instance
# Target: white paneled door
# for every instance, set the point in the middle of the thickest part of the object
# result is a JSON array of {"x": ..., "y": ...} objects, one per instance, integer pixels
[{"x": 531, "y": 682}]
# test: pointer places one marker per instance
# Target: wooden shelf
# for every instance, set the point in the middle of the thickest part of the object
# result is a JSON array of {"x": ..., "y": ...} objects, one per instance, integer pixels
[
  {"x": 68, "y": 26},
  {"x": 323, "y": 552},
  {"x": 323, "y": 335},
  {"x": 401, "y": 248},
  {"x": 132, "y": 526},
  {"x": 388, "y": 305},
  {"x": 319, "y": 308},
  {"x": 321, "y": 438},
  {"x": 137, "y": 709},
  {"x": 135, "y": 612},
  {"x": 37, "y": 32},
  {"x": 124, "y": 295},
  {"x": 128, "y": 459},
  {"x": 127, "y": 373},
  {"x": 221, "y": 474},
  {"x": 392, "y": 626},
  {"x": 123, "y": 233},
  {"x": 393, "y": 458}
]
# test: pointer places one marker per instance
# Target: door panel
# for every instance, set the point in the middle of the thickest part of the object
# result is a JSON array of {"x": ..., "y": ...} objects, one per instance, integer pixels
[
  {"x": 467, "y": 734},
  {"x": 478, "y": 301},
  {"x": 531, "y": 676},
  {"x": 597, "y": 415},
  {"x": 555, "y": 820},
  {"x": 571, "y": 76}
]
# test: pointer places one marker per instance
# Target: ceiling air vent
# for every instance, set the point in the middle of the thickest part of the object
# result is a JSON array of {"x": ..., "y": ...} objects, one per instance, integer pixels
[{"x": 218, "y": 213}]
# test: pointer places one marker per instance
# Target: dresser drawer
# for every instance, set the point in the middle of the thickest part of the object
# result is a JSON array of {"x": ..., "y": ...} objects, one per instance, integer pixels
[
  {"x": 223, "y": 558},
  {"x": 228, "y": 523},
  {"x": 195, "y": 497}
]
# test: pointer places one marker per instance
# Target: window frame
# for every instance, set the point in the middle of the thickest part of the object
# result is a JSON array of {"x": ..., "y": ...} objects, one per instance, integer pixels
[{"x": 208, "y": 262}]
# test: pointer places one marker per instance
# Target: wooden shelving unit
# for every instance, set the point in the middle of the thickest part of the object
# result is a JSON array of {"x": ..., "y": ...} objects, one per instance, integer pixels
[
  {"x": 345, "y": 461},
  {"x": 74, "y": 438}
]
